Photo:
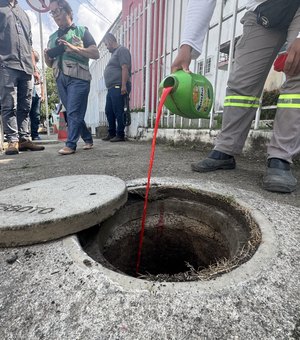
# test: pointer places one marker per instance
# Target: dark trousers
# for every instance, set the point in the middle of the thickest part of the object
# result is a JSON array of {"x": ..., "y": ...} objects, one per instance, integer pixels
[
  {"x": 34, "y": 115},
  {"x": 114, "y": 110},
  {"x": 15, "y": 93},
  {"x": 74, "y": 96}
]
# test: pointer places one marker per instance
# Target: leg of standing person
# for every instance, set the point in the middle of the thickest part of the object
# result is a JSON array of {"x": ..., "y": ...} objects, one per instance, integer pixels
[
  {"x": 118, "y": 109},
  {"x": 78, "y": 91},
  {"x": 24, "y": 96},
  {"x": 8, "y": 85},
  {"x": 35, "y": 117},
  {"x": 285, "y": 141},
  {"x": 254, "y": 56},
  {"x": 74, "y": 95},
  {"x": 87, "y": 137},
  {"x": 16, "y": 101},
  {"x": 85, "y": 133},
  {"x": 109, "y": 111},
  {"x": 62, "y": 88}
]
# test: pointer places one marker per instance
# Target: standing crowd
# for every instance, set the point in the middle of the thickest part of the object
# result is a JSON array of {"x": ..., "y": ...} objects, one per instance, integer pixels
[
  {"x": 68, "y": 53},
  {"x": 267, "y": 26}
]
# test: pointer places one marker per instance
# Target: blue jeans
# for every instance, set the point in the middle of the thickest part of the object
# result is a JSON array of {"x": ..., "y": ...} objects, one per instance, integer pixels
[
  {"x": 35, "y": 116},
  {"x": 74, "y": 96},
  {"x": 114, "y": 110},
  {"x": 15, "y": 94}
]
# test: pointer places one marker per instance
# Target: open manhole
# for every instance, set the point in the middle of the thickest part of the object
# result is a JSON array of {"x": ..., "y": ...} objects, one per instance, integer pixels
[{"x": 190, "y": 235}]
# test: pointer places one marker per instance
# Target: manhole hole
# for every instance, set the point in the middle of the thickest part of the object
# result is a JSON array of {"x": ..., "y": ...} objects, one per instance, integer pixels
[{"x": 190, "y": 235}]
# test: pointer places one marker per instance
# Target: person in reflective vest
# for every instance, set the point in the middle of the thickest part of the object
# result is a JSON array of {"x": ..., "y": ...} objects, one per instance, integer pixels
[
  {"x": 267, "y": 26},
  {"x": 68, "y": 53}
]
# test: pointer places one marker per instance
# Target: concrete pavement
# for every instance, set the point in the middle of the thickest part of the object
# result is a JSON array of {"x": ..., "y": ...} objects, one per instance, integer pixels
[{"x": 54, "y": 291}]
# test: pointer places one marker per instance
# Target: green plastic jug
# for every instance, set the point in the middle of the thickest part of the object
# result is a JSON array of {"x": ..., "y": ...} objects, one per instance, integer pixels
[{"x": 191, "y": 96}]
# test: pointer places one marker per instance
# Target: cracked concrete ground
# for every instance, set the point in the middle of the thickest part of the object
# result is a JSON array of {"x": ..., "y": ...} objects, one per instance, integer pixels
[{"x": 47, "y": 292}]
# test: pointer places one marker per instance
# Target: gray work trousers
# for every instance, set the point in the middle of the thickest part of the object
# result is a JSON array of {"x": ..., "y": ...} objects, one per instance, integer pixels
[
  {"x": 255, "y": 54},
  {"x": 15, "y": 94}
]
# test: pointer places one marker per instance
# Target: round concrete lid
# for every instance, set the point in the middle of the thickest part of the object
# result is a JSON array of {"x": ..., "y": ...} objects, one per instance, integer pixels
[{"x": 51, "y": 208}]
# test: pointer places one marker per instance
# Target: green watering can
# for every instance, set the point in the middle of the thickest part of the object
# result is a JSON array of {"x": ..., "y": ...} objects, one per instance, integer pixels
[{"x": 191, "y": 96}]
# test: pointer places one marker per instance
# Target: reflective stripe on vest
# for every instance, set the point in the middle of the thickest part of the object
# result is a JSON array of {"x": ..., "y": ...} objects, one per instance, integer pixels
[
  {"x": 289, "y": 101},
  {"x": 242, "y": 101}
]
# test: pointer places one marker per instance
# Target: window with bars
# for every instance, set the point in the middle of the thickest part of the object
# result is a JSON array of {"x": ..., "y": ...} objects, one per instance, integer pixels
[{"x": 208, "y": 65}]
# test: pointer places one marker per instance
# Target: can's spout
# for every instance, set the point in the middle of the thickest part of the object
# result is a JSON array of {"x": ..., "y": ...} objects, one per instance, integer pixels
[{"x": 171, "y": 81}]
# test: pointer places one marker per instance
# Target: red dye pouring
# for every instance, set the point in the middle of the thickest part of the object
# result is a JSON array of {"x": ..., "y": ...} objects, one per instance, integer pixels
[{"x": 164, "y": 95}]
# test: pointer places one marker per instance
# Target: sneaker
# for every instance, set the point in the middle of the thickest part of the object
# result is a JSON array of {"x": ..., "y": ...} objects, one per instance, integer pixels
[
  {"x": 12, "y": 149},
  {"x": 36, "y": 138},
  {"x": 118, "y": 139},
  {"x": 215, "y": 160},
  {"x": 28, "y": 145},
  {"x": 87, "y": 146},
  {"x": 279, "y": 177},
  {"x": 108, "y": 137},
  {"x": 66, "y": 151}
]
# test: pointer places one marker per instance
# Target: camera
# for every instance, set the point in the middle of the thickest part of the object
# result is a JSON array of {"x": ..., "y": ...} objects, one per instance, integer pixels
[{"x": 56, "y": 51}]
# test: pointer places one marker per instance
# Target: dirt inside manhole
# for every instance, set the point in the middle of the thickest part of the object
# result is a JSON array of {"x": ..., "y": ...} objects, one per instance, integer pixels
[{"x": 190, "y": 235}]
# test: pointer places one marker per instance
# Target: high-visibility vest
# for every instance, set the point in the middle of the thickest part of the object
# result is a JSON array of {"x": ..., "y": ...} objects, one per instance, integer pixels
[{"x": 71, "y": 64}]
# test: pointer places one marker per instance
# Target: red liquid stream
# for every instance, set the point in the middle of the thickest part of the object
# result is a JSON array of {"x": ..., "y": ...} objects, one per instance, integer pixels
[{"x": 165, "y": 93}]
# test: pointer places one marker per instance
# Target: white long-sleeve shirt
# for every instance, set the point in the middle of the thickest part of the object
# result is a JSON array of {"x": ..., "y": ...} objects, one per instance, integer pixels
[{"x": 198, "y": 16}]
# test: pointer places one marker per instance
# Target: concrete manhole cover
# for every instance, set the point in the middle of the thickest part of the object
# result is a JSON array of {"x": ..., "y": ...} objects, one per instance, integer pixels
[
  {"x": 191, "y": 235},
  {"x": 49, "y": 209}
]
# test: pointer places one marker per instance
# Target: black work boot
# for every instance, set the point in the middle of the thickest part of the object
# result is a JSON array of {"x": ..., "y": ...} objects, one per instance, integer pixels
[
  {"x": 117, "y": 139},
  {"x": 279, "y": 177},
  {"x": 108, "y": 138},
  {"x": 215, "y": 160}
]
